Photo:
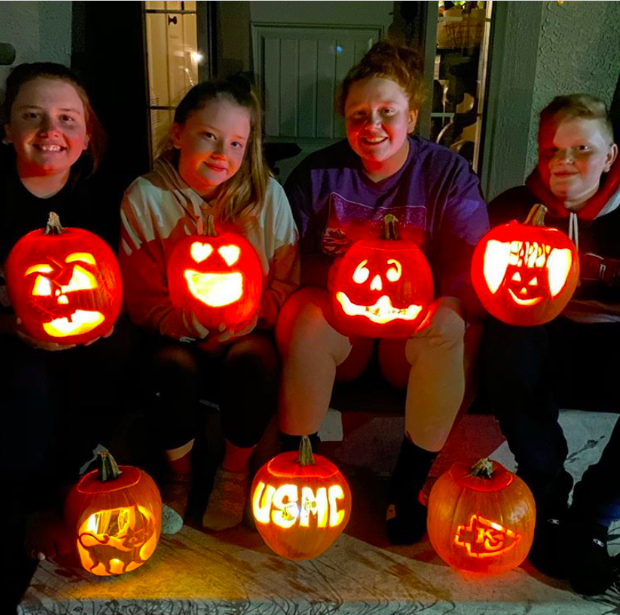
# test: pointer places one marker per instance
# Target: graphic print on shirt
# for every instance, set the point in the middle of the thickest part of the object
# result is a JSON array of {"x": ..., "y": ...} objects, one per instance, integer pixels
[{"x": 349, "y": 221}]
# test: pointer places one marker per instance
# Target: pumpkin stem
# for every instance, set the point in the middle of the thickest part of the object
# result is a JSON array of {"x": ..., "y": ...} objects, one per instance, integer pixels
[
  {"x": 536, "y": 217},
  {"x": 305, "y": 458},
  {"x": 108, "y": 468},
  {"x": 53, "y": 225},
  {"x": 210, "y": 230},
  {"x": 390, "y": 227},
  {"x": 482, "y": 468}
]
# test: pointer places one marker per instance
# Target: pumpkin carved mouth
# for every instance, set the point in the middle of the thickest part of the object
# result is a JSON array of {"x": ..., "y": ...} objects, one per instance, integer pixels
[
  {"x": 525, "y": 302},
  {"x": 79, "y": 322},
  {"x": 380, "y": 312},
  {"x": 215, "y": 289}
]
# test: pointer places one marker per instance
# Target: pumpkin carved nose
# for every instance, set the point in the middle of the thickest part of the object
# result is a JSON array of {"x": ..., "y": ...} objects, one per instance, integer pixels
[{"x": 376, "y": 283}]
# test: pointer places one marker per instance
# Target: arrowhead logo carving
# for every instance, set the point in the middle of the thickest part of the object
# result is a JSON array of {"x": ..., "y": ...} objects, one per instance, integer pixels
[{"x": 485, "y": 538}]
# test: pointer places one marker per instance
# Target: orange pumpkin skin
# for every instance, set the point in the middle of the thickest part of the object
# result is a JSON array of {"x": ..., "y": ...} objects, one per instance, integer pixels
[
  {"x": 481, "y": 524},
  {"x": 219, "y": 278},
  {"x": 58, "y": 277},
  {"x": 525, "y": 274},
  {"x": 313, "y": 502},
  {"x": 117, "y": 523},
  {"x": 382, "y": 287}
]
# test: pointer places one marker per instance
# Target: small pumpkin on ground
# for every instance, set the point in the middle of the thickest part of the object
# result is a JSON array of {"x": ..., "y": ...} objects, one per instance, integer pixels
[
  {"x": 481, "y": 518},
  {"x": 301, "y": 503},
  {"x": 115, "y": 513}
]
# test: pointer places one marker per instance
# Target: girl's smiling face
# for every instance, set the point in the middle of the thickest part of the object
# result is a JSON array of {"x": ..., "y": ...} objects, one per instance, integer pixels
[
  {"x": 378, "y": 120},
  {"x": 212, "y": 144},
  {"x": 47, "y": 127},
  {"x": 572, "y": 156}
]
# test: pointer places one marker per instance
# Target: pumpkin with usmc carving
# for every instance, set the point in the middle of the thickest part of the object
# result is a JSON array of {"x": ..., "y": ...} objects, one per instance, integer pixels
[
  {"x": 382, "y": 286},
  {"x": 64, "y": 284},
  {"x": 525, "y": 274},
  {"x": 481, "y": 517},
  {"x": 301, "y": 503},
  {"x": 218, "y": 277},
  {"x": 115, "y": 515}
]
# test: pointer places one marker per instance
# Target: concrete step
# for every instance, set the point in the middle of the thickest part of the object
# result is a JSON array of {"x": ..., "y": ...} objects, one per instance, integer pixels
[{"x": 200, "y": 573}]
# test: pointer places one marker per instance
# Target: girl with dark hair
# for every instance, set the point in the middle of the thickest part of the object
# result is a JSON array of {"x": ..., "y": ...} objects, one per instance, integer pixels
[
  {"x": 214, "y": 167},
  {"x": 52, "y": 149}
]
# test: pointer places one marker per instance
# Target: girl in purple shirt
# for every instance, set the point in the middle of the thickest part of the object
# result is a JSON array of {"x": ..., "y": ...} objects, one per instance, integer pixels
[{"x": 343, "y": 192}]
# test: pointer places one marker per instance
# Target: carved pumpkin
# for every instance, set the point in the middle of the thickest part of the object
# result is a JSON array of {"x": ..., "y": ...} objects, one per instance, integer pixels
[
  {"x": 115, "y": 513},
  {"x": 525, "y": 274},
  {"x": 64, "y": 284},
  {"x": 481, "y": 518},
  {"x": 382, "y": 287},
  {"x": 301, "y": 503},
  {"x": 218, "y": 277}
]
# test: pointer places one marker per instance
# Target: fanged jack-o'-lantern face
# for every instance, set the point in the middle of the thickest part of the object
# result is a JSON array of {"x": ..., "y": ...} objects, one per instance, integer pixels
[
  {"x": 117, "y": 540},
  {"x": 529, "y": 271},
  {"x": 53, "y": 287},
  {"x": 215, "y": 289},
  {"x": 381, "y": 311}
]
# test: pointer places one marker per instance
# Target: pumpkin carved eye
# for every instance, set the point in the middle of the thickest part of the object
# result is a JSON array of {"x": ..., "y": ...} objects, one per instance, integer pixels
[
  {"x": 230, "y": 254},
  {"x": 361, "y": 273},
  {"x": 200, "y": 251},
  {"x": 393, "y": 273},
  {"x": 80, "y": 280}
]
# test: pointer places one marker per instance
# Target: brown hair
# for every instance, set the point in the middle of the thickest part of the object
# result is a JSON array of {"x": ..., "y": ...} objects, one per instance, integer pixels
[
  {"x": 572, "y": 106},
  {"x": 396, "y": 62},
  {"x": 246, "y": 189},
  {"x": 24, "y": 73}
]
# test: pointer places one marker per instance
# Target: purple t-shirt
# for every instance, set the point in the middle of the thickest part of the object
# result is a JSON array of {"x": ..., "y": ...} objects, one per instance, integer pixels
[{"x": 435, "y": 197}]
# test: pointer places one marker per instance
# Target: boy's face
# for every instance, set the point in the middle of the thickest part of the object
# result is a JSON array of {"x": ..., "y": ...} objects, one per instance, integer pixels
[{"x": 572, "y": 156}]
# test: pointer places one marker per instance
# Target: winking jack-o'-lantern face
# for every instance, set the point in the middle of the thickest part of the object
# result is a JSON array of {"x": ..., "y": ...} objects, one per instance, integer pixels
[
  {"x": 64, "y": 284},
  {"x": 382, "y": 287},
  {"x": 218, "y": 277},
  {"x": 525, "y": 274}
]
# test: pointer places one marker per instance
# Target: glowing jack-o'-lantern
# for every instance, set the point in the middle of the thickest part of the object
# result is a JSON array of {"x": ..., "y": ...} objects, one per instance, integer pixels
[
  {"x": 115, "y": 513},
  {"x": 64, "y": 284},
  {"x": 217, "y": 277},
  {"x": 525, "y": 274},
  {"x": 301, "y": 503},
  {"x": 481, "y": 518},
  {"x": 382, "y": 287}
]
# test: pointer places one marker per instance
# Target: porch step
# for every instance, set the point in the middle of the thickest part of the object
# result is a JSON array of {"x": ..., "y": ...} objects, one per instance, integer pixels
[{"x": 198, "y": 573}]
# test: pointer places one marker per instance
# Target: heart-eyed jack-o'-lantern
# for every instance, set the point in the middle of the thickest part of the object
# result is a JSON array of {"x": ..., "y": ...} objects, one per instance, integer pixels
[
  {"x": 382, "y": 287},
  {"x": 301, "y": 503},
  {"x": 525, "y": 274},
  {"x": 64, "y": 284},
  {"x": 217, "y": 277},
  {"x": 115, "y": 513},
  {"x": 481, "y": 518}
]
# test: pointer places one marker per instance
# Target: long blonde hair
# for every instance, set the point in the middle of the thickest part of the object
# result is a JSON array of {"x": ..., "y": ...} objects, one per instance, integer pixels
[{"x": 245, "y": 191}]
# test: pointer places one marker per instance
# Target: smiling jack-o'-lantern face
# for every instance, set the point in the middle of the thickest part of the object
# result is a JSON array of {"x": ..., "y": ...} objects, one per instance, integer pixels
[
  {"x": 525, "y": 274},
  {"x": 219, "y": 278},
  {"x": 382, "y": 287},
  {"x": 115, "y": 514},
  {"x": 65, "y": 286}
]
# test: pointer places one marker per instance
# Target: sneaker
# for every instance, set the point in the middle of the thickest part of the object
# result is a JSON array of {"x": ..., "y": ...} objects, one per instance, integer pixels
[
  {"x": 175, "y": 495},
  {"x": 227, "y": 500},
  {"x": 589, "y": 565}
]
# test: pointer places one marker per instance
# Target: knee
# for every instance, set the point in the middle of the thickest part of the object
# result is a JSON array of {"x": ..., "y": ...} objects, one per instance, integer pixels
[{"x": 175, "y": 358}]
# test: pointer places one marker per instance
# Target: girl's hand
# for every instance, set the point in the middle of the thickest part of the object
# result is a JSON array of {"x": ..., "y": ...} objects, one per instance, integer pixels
[
  {"x": 226, "y": 336},
  {"x": 50, "y": 346}
]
